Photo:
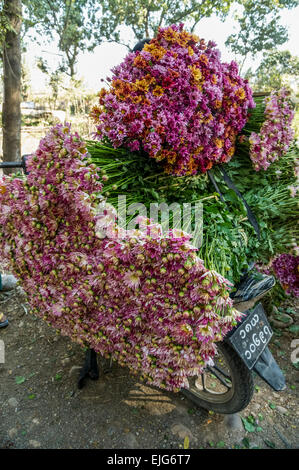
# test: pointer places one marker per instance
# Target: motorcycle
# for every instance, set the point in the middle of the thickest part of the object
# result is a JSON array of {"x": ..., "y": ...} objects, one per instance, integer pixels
[{"x": 227, "y": 386}]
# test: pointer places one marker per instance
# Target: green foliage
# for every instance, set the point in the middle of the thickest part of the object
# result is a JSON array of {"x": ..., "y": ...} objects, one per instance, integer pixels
[
  {"x": 25, "y": 83},
  {"x": 74, "y": 22},
  {"x": 275, "y": 68},
  {"x": 145, "y": 16},
  {"x": 259, "y": 28},
  {"x": 5, "y": 22},
  {"x": 229, "y": 241}
]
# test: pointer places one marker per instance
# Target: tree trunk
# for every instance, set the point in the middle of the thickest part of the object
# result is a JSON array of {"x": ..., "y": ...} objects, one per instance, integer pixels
[{"x": 11, "y": 109}]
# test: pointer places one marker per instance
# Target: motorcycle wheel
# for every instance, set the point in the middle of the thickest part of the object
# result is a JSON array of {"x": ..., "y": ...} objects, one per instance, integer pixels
[{"x": 226, "y": 387}]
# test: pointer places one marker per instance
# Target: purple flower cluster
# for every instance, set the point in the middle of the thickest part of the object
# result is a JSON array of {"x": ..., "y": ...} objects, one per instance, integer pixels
[
  {"x": 286, "y": 269},
  {"x": 140, "y": 297},
  {"x": 176, "y": 101},
  {"x": 276, "y": 133}
]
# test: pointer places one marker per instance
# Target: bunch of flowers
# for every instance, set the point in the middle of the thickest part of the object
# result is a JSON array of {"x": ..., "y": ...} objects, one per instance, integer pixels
[
  {"x": 273, "y": 116},
  {"x": 286, "y": 269},
  {"x": 176, "y": 101},
  {"x": 139, "y": 297}
]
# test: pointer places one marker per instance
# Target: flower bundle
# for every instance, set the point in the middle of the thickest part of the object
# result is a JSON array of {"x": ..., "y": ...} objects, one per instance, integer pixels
[
  {"x": 176, "y": 101},
  {"x": 268, "y": 131},
  {"x": 139, "y": 297},
  {"x": 286, "y": 269}
]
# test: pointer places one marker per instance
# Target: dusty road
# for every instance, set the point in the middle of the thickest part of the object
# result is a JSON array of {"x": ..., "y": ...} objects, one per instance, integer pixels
[{"x": 41, "y": 406}]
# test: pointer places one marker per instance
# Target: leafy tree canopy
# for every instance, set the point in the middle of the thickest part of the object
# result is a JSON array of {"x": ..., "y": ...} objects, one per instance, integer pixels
[
  {"x": 277, "y": 68},
  {"x": 145, "y": 16},
  {"x": 259, "y": 27},
  {"x": 73, "y": 22}
]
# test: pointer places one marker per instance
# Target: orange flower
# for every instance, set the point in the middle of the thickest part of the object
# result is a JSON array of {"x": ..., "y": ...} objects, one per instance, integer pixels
[
  {"x": 136, "y": 99},
  {"x": 192, "y": 166},
  {"x": 171, "y": 156},
  {"x": 170, "y": 35},
  {"x": 214, "y": 79},
  {"x": 241, "y": 93},
  {"x": 144, "y": 84},
  {"x": 159, "y": 156},
  {"x": 196, "y": 73},
  {"x": 198, "y": 150},
  {"x": 122, "y": 89},
  {"x": 140, "y": 62},
  {"x": 2, "y": 189},
  {"x": 231, "y": 151},
  {"x": 155, "y": 50},
  {"x": 158, "y": 91},
  {"x": 103, "y": 92},
  {"x": 219, "y": 143},
  {"x": 203, "y": 58}
]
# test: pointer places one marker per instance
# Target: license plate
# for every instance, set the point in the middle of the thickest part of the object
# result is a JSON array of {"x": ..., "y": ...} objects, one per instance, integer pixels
[{"x": 252, "y": 336}]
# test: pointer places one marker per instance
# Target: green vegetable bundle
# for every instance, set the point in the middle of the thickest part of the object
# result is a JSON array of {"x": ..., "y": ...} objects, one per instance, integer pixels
[{"x": 229, "y": 241}]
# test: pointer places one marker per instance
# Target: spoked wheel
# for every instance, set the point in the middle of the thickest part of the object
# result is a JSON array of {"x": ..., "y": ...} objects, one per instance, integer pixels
[{"x": 226, "y": 387}]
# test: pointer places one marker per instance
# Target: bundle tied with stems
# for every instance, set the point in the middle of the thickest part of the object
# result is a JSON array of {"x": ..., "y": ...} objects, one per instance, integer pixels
[
  {"x": 138, "y": 296},
  {"x": 176, "y": 101},
  {"x": 268, "y": 133}
]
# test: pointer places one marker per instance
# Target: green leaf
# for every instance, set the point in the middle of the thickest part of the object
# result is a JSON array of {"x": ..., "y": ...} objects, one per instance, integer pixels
[
  {"x": 186, "y": 442},
  {"x": 31, "y": 397},
  {"x": 251, "y": 419},
  {"x": 249, "y": 427},
  {"x": 258, "y": 429},
  {"x": 269, "y": 444},
  {"x": 220, "y": 444},
  {"x": 58, "y": 377},
  {"x": 245, "y": 442},
  {"x": 272, "y": 405},
  {"x": 20, "y": 379},
  {"x": 294, "y": 329}
]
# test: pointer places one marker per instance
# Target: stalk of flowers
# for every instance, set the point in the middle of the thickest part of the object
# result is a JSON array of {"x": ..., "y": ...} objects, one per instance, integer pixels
[
  {"x": 175, "y": 101},
  {"x": 286, "y": 269},
  {"x": 268, "y": 134},
  {"x": 139, "y": 297}
]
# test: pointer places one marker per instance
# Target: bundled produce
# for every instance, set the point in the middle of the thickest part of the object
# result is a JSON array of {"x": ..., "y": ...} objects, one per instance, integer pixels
[
  {"x": 147, "y": 298},
  {"x": 268, "y": 133},
  {"x": 144, "y": 299},
  {"x": 229, "y": 242},
  {"x": 175, "y": 101},
  {"x": 285, "y": 267}
]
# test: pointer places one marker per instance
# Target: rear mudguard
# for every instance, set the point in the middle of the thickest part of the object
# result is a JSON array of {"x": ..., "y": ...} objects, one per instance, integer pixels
[{"x": 268, "y": 369}]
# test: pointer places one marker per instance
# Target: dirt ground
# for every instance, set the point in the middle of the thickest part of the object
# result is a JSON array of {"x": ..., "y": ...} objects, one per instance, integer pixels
[{"x": 42, "y": 407}]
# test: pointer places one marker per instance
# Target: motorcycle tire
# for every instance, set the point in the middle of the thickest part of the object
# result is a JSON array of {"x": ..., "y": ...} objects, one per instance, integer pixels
[{"x": 236, "y": 386}]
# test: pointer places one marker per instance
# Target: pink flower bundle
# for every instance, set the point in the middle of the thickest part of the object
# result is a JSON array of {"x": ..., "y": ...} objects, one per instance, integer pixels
[
  {"x": 143, "y": 298},
  {"x": 286, "y": 269},
  {"x": 276, "y": 133},
  {"x": 176, "y": 101}
]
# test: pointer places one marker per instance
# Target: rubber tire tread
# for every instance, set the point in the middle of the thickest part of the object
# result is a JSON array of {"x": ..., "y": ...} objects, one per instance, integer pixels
[{"x": 243, "y": 383}]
